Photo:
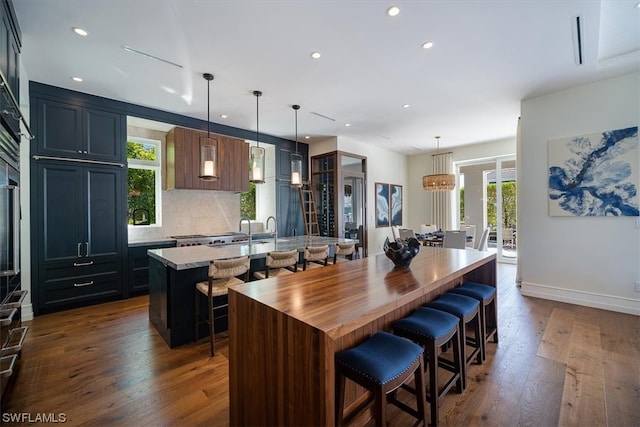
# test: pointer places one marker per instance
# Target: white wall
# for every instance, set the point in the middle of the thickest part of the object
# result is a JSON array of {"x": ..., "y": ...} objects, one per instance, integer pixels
[{"x": 592, "y": 261}]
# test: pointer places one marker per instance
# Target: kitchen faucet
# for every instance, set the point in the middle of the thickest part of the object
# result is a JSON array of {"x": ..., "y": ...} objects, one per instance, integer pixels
[
  {"x": 275, "y": 227},
  {"x": 245, "y": 218}
]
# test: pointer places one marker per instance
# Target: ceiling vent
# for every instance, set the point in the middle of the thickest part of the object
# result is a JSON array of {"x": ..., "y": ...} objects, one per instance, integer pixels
[
  {"x": 578, "y": 35},
  {"x": 323, "y": 116}
]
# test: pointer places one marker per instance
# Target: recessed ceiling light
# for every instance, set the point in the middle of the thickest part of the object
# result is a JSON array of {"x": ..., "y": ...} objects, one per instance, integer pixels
[
  {"x": 406, "y": 105},
  {"x": 76, "y": 79},
  {"x": 223, "y": 116},
  {"x": 307, "y": 137},
  {"x": 315, "y": 55},
  {"x": 427, "y": 45},
  {"x": 80, "y": 31},
  {"x": 393, "y": 11},
  {"x": 638, "y": 5},
  {"x": 347, "y": 124}
]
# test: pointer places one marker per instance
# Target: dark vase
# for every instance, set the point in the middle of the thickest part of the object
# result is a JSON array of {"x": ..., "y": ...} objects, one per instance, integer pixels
[{"x": 401, "y": 252}]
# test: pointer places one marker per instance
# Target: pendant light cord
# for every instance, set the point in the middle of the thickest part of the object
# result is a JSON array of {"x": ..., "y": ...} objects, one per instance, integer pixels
[
  {"x": 257, "y": 94},
  {"x": 296, "y": 109},
  {"x": 208, "y": 77}
]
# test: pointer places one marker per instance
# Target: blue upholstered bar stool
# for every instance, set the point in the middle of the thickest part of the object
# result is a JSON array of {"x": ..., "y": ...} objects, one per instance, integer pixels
[
  {"x": 467, "y": 310},
  {"x": 381, "y": 364},
  {"x": 432, "y": 329},
  {"x": 486, "y": 295}
]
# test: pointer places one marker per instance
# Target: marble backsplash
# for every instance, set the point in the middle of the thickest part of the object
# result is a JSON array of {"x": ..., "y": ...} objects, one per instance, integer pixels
[{"x": 193, "y": 212}]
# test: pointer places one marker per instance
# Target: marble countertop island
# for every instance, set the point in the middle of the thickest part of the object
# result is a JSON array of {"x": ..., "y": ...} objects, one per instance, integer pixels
[{"x": 184, "y": 258}]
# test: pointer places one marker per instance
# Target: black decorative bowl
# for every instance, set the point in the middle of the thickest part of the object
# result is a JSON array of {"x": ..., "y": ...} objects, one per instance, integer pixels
[{"x": 401, "y": 252}]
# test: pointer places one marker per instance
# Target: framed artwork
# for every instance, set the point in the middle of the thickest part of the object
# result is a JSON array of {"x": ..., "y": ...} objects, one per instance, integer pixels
[
  {"x": 382, "y": 205},
  {"x": 594, "y": 174},
  {"x": 395, "y": 198}
]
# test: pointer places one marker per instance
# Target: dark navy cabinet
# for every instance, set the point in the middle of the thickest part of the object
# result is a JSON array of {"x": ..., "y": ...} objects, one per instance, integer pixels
[
  {"x": 73, "y": 131},
  {"x": 80, "y": 239},
  {"x": 10, "y": 45},
  {"x": 139, "y": 267},
  {"x": 288, "y": 208},
  {"x": 78, "y": 200}
]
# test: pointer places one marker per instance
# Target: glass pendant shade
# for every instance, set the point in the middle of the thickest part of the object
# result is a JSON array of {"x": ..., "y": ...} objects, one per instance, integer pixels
[
  {"x": 208, "y": 160},
  {"x": 256, "y": 165},
  {"x": 256, "y": 154},
  {"x": 296, "y": 158},
  {"x": 296, "y": 170}
]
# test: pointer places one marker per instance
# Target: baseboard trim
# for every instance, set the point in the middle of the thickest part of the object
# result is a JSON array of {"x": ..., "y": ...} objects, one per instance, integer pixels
[
  {"x": 588, "y": 299},
  {"x": 27, "y": 312}
]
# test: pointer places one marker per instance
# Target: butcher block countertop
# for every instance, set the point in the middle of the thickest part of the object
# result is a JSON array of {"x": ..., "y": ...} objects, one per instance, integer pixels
[{"x": 284, "y": 332}]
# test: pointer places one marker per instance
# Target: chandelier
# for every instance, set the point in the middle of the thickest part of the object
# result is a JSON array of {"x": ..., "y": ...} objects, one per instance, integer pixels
[{"x": 439, "y": 181}]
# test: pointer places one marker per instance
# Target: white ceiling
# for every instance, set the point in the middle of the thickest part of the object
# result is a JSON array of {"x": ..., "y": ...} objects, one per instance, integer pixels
[{"x": 488, "y": 56}]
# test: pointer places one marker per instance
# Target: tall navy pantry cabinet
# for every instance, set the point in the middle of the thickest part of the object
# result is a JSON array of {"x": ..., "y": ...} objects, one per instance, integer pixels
[{"x": 78, "y": 199}]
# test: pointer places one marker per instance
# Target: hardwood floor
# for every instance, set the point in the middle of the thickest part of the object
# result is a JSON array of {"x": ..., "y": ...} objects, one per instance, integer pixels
[{"x": 555, "y": 364}]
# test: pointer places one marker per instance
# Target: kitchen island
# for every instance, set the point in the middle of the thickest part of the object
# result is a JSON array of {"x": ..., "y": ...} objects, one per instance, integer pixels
[
  {"x": 173, "y": 273},
  {"x": 285, "y": 331}
]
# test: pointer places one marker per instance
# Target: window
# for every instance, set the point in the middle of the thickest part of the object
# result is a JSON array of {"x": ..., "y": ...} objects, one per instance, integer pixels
[{"x": 143, "y": 182}]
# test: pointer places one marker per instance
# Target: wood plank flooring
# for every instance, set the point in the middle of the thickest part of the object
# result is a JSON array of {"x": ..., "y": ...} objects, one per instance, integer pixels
[{"x": 555, "y": 364}]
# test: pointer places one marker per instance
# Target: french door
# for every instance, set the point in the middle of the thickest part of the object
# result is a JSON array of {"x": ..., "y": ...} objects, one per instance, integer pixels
[{"x": 486, "y": 197}]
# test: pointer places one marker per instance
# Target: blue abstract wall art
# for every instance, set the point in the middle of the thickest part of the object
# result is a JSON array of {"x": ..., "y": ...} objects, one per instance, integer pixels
[
  {"x": 382, "y": 205},
  {"x": 395, "y": 196},
  {"x": 594, "y": 175}
]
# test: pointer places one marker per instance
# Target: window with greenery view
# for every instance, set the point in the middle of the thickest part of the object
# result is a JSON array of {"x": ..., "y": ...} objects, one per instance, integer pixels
[
  {"x": 143, "y": 182},
  {"x": 508, "y": 204},
  {"x": 248, "y": 202}
]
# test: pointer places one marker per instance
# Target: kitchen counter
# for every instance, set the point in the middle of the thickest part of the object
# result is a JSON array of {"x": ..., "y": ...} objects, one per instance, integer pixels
[
  {"x": 199, "y": 256},
  {"x": 284, "y": 332},
  {"x": 174, "y": 272}
]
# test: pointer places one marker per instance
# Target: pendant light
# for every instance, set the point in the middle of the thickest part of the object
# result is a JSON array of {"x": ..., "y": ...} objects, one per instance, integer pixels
[
  {"x": 296, "y": 158},
  {"x": 439, "y": 181},
  {"x": 208, "y": 146},
  {"x": 256, "y": 156}
]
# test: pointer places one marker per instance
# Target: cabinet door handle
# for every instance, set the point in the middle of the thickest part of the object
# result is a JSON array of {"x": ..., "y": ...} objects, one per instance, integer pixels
[
  {"x": 82, "y": 264},
  {"x": 79, "y": 249},
  {"x": 86, "y": 245},
  {"x": 79, "y": 151},
  {"x": 79, "y": 285}
]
